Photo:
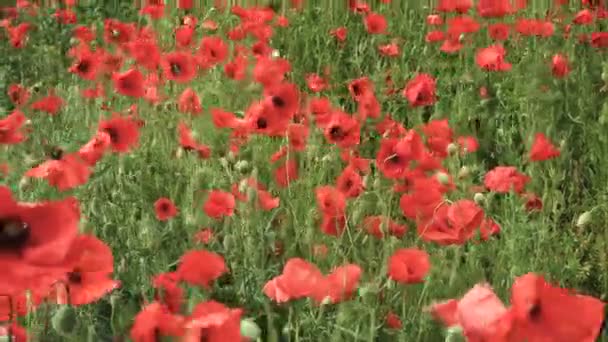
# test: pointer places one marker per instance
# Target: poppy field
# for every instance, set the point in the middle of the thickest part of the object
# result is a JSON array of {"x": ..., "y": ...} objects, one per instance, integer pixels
[{"x": 304, "y": 171}]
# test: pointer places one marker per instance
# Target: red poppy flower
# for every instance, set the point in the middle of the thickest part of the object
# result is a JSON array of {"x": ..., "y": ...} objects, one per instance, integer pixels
[
  {"x": 488, "y": 228},
  {"x": 92, "y": 151},
  {"x": 460, "y": 6},
  {"x": 498, "y": 31},
  {"x": 343, "y": 130},
  {"x": 204, "y": 236},
  {"x": 468, "y": 144},
  {"x": 179, "y": 67},
  {"x": 129, "y": 83},
  {"x": 286, "y": 173},
  {"x": 117, "y": 32},
  {"x": 17, "y": 35},
  {"x": 87, "y": 64},
  {"x": 154, "y": 321},
  {"x": 420, "y": 91},
  {"x": 339, "y": 285},
  {"x": 503, "y": 179},
  {"x": 492, "y": 59},
  {"x": 189, "y": 102},
  {"x": 422, "y": 201},
  {"x": 65, "y": 173},
  {"x": 299, "y": 279},
  {"x": 223, "y": 119},
  {"x": 543, "y": 312},
  {"x": 438, "y": 137},
  {"x": 266, "y": 200},
  {"x": 187, "y": 142},
  {"x": 18, "y": 94},
  {"x": 213, "y": 322},
  {"x": 452, "y": 224},
  {"x": 333, "y": 225},
  {"x": 395, "y": 155},
  {"x": 34, "y": 240},
  {"x": 10, "y": 128},
  {"x": 91, "y": 265},
  {"x": 380, "y": 226},
  {"x": 393, "y": 321},
  {"x": 375, "y": 23},
  {"x": 50, "y": 104},
  {"x": 201, "y": 268},
  {"x": 350, "y": 182},
  {"x": 146, "y": 53},
  {"x": 389, "y": 50},
  {"x": 183, "y": 36},
  {"x": 14, "y": 332},
  {"x": 340, "y": 34},
  {"x": 212, "y": 51},
  {"x": 409, "y": 265},
  {"x": 599, "y": 39},
  {"x": 559, "y": 66},
  {"x": 494, "y": 8},
  {"x": 165, "y": 209},
  {"x": 583, "y": 17},
  {"x": 123, "y": 132},
  {"x": 283, "y": 98},
  {"x": 270, "y": 71},
  {"x": 483, "y": 316},
  {"x": 236, "y": 69},
  {"x": 461, "y": 25},
  {"x": 316, "y": 83},
  {"x": 543, "y": 149},
  {"x": 219, "y": 203},
  {"x": 331, "y": 201},
  {"x": 298, "y": 136}
]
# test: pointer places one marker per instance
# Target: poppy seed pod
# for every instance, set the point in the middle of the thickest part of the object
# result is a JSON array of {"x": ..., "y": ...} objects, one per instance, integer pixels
[
  {"x": 250, "y": 329},
  {"x": 65, "y": 320},
  {"x": 452, "y": 149},
  {"x": 464, "y": 172},
  {"x": 584, "y": 219},
  {"x": 443, "y": 178}
]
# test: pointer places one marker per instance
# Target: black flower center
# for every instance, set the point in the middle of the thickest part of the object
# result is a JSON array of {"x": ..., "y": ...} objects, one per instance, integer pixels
[
  {"x": 176, "y": 69},
  {"x": 14, "y": 233},
  {"x": 394, "y": 159},
  {"x": 56, "y": 153},
  {"x": 75, "y": 277},
  {"x": 261, "y": 123},
  {"x": 336, "y": 132},
  {"x": 535, "y": 311},
  {"x": 83, "y": 66},
  {"x": 278, "y": 102},
  {"x": 356, "y": 90},
  {"x": 113, "y": 133}
]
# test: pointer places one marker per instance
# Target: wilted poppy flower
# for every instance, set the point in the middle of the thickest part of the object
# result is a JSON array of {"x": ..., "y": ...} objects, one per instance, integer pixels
[
  {"x": 129, "y": 83},
  {"x": 409, "y": 265},
  {"x": 123, "y": 132},
  {"x": 10, "y": 128},
  {"x": 503, "y": 179},
  {"x": 375, "y": 23},
  {"x": 178, "y": 66},
  {"x": 201, "y": 267},
  {"x": 492, "y": 59},
  {"x": 420, "y": 91},
  {"x": 219, "y": 203},
  {"x": 165, "y": 209},
  {"x": 543, "y": 149},
  {"x": 50, "y": 104}
]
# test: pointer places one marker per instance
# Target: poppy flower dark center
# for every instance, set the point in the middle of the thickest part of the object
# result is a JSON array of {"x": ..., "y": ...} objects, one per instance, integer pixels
[
  {"x": 356, "y": 90},
  {"x": 75, "y": 277},
  {"x": 164, "y": 207},
  {"x": 212, "y": 53},
  {"x": 336, "y": 132},
  {"x": 83, "y": 66},
  {"x": 535, "y": 311},
  {"x": 14, "y": 233},
  {"x": 349, "y": 184},
  {"x": 176, "y": 69},
  {"x": 278, "y": 102},
  {"x": 113, "y": 133},
  {"x": 394, "y": 159},
  {"x": 261, "y": 123},
  {"x": 56, "y": 153},
  {"x": 126, "y": 83}
]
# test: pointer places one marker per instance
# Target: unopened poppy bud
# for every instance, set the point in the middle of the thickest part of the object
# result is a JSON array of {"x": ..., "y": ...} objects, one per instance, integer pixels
[
  {"x": 326, "y": 158},
  {"x": 228, "y": 242},
  {"x": 231, "y": 157},
  {"x": 242, "y": 166},
  {"x": 464, "y": 172},
  {"x": 454, "y": 334},
  {"x": 64, "y": 320},
  {"x": 179, "y": 153},
  {"x": 224, "y": 162},
  {"x": 584, "y": 219},
  {"x": 443, "y": 178},
  {"x": 250, "y": 329},
  {"x": 479, "y": 198},
  {"x": 243, "y": 185},
  {"x": 452, "y": 149},
  {"x": 276, "y": 53}
]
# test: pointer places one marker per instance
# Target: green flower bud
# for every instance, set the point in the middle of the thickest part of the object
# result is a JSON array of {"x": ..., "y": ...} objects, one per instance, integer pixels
[
  {"x": 250, "y": 329},
  {"x": 584, "y": 219}
]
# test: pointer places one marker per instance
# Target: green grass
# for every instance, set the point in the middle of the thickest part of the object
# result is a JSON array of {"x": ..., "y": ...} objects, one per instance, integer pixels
[{"x": 117, "y": 202}]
